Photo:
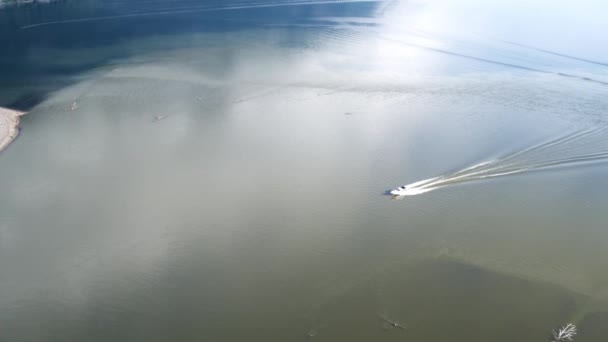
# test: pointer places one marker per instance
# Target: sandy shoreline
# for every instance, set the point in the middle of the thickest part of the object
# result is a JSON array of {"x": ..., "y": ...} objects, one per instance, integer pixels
[{"x": 9, "y": 126}]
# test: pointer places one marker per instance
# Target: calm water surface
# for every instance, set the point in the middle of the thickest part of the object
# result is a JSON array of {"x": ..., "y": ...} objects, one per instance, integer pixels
[{"x": 195, "y": 171}]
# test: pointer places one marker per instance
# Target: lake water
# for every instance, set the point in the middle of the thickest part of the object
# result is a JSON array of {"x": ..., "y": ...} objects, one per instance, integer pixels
[{"x": 218, "y": 171}]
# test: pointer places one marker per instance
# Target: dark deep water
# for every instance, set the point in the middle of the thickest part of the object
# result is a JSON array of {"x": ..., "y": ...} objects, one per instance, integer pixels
[{"x": 215, "y": 171}]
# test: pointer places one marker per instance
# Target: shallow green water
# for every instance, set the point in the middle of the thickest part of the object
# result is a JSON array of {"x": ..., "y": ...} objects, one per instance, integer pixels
[{"x": 224, "y": 180}]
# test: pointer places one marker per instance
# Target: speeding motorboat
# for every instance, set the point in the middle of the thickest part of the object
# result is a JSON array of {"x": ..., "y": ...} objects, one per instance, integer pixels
[{"x": 400, "y": 191}]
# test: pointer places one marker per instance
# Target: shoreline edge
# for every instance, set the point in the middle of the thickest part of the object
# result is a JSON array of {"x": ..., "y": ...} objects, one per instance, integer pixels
[{"x": 9, "y": 126}]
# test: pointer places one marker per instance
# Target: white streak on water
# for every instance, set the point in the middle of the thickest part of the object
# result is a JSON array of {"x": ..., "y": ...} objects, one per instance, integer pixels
[{"x": 196, "y": 9}]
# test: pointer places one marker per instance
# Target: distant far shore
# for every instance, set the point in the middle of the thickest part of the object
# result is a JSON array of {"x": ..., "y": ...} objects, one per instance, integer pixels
[
  {"x": 4, "y": 3},
  {"x": 9, "y": 126}
]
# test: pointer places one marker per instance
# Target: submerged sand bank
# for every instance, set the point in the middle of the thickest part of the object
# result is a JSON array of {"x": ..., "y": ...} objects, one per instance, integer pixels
[{"x": 9, "y": 126}]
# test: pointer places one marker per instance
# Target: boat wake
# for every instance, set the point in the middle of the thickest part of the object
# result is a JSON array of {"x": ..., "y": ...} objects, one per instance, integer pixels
[{"x": 581, "y": 147}]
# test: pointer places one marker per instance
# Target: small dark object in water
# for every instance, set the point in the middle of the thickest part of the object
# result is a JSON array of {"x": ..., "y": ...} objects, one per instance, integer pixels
[{"x": 392, "y": 323}]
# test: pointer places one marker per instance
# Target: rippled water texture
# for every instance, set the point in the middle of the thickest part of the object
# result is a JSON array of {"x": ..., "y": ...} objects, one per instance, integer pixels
[{"x": 217, "y": 171}]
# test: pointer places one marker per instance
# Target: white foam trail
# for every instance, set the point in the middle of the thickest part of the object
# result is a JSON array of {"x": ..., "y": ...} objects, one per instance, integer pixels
[
  {"x": 194, "y": 10},
  {"x": 555, "y": 153}
]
